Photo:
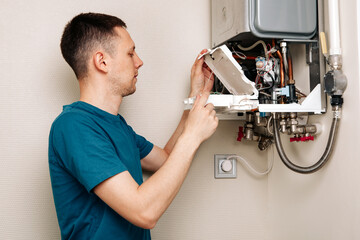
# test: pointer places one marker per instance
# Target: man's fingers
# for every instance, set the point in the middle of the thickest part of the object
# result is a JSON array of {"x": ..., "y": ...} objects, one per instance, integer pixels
[
  {"x": 197, "y": 65},
  {"x": 201, "y": 101},
  {"x": 209, "y": 80},
  {"x": 201, "y": 53},
  {"x": 205, "y": 66},
  {"x": 199, "y": 62},
  {"x": 213, "y": 113},
  {"x": 209, "y": 106},
  {"x": 200, "y": 59},
  {"x": 207, "y": 71}
]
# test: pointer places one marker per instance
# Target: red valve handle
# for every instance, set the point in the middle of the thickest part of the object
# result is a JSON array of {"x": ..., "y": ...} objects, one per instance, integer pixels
[
  {"x": 308, "y": 138},
  {"x": 302, "y": 139},
  {"x": 240, "y": 134}
]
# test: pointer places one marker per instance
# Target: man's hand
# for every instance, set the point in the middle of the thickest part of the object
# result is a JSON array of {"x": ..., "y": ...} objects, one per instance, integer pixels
[
  {"x": 202, "y": 121},
  {"x": 202, "y": 79}
]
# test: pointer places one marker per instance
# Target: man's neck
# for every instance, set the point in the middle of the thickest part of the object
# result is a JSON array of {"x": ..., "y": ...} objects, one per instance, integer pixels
[{"x": 99, "y": 97}]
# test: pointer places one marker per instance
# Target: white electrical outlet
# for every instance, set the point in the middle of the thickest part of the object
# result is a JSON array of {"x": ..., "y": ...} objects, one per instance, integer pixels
[{"x": 223, "y": 167}]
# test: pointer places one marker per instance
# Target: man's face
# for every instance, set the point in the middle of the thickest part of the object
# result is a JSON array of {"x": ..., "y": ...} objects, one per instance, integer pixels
[{"x": 124, "y": 65}]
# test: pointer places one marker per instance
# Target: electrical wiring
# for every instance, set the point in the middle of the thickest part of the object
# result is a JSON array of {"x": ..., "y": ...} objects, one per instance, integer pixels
[
  {"x": 251, "y": 168},
  {"x": 268, "y": 126},
  {"x": 257, "y": 79},
  {"x": 211, "y": 74},
  {"x": 239, "y": 54},
  {"x": 266, "y": 94},
  {"x": 271, "y": 69},
  {"x": 268, "y": 47},
  {"x": 272, "y": 83},
  {"x": 253, "y": 46},
  {"x": 300, "y": 93}
]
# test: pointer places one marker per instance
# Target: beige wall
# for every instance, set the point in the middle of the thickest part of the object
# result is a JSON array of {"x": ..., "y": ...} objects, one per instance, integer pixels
[{"x": 35, "y": 82}]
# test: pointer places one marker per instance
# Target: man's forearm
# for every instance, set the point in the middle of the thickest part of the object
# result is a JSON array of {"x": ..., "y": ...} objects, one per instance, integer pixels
[
  {"x": 194, "y": 127},
  {"x": 161, "y": 188},
  {"x": 158, "y": 156},
  {"x": 177, "y": 133}
]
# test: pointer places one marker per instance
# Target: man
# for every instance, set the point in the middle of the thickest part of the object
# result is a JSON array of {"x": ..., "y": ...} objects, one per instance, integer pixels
[{"x": 96, "y": 159}]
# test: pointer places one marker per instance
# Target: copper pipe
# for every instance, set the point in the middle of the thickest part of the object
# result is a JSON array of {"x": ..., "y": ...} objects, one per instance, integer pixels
[
  {"x": 282, "y": 77},
  {"x": 291, "y": 77}
]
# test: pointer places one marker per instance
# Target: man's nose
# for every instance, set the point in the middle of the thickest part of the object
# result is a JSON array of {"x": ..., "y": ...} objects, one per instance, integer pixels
[{"x": 138, "y": 62}]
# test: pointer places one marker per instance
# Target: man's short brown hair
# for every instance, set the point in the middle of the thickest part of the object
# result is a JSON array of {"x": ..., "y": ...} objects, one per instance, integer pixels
[{"x": 82, "y": 34}]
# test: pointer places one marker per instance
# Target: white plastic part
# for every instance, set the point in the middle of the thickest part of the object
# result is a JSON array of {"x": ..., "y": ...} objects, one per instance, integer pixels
[
  {"x": 240, "y": 103},
  {"x": 228, "y": 103},
  {"x": 229, "y": 71},
  {"x": 223, "y": 167},
  {"x": 335, "y": 48},
  {"x": 312, "y": 103},
  {"x": 226, "y": 165}
]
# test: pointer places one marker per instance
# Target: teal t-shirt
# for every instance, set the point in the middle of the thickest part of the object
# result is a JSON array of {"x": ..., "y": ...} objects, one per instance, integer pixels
[{"x": 87, "y": 146}]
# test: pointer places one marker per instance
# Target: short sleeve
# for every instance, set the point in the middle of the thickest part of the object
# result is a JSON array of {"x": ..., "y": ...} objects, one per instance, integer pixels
[
  {"x": 143, "y": 145},
  {"x": 85, "y": 150}
]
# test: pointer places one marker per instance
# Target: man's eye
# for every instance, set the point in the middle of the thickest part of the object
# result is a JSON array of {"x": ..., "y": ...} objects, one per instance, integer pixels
[{"x": 131, "y": 54}]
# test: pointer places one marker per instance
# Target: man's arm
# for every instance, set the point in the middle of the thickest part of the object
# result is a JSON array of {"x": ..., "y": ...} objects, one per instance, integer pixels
[
  {"x": 202, "y": 80},
  {"x": 156, "y": 158},
  {"x": 143, "y": 205}
]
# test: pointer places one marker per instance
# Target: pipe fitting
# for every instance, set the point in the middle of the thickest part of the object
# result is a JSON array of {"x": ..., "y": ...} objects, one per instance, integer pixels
[
  {"x": 264, "y": 143},
  {"x": 260, "y": 121},
  {"x": 316, "y": 166},
  {"x": 249, "y": 132},
  {"x": 335, "y": 62},
  {"x": 283, "y": 126},
  {"x": 335, "y": 82},
  {"x": 336, "y": 111}
]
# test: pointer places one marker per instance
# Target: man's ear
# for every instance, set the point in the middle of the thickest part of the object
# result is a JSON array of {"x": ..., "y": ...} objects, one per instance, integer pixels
[{"x": 100, "y": 61}]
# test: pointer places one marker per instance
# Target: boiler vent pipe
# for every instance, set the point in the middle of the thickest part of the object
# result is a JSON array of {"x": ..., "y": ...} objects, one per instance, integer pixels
[{"x": 335, "y": 48}]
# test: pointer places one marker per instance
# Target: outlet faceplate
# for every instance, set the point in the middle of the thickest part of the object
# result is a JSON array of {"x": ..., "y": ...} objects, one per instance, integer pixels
[{"x": 224, "y": 168}]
